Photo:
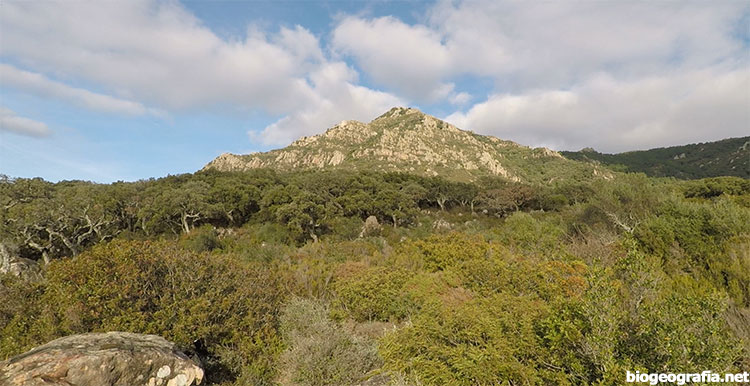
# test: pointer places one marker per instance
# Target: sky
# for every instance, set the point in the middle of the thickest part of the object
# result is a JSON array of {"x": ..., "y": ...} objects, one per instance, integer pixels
[{"x": 113, "y": 90}]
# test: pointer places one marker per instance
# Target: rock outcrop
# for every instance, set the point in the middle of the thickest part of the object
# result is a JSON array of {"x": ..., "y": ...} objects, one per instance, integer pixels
[
  {"x": 102, "y": 359},
  {"x": 441, "y": 225},
  {"x": 371, "y": 227},
  {"x": 10, "y": 263}
]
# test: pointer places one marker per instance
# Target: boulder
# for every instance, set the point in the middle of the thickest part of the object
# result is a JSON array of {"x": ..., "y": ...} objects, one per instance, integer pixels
[
  {"x": 10, "y": 262},
  {"x": 371, "y": 228},
  {"x": 102, "y": 359},
  {"x": 441, "y": 225}
]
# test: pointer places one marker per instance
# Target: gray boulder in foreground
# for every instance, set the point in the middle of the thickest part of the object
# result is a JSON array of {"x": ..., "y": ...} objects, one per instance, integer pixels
[{"x": 102, "y": 359}]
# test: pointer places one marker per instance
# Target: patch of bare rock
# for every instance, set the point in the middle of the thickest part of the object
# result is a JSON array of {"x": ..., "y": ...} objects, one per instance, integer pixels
[{"x": 102, "y": 359}]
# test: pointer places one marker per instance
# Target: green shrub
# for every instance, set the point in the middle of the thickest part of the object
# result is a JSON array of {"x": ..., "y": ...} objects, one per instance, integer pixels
[
  {"x": 684, "y": 327},
  {"x": 345, "y": 228},
  {"x": 20, "y": 307},
  {"x": 373, "y": 294},
  {"x": 705, "y": 238},
  {"x": 440, "y": 252},
  {"x": 203, "y": 239},
  {"x": 484, "y": 341},
  {"x": 714, "y": 187},
  {"x": 526, "y": 234}
]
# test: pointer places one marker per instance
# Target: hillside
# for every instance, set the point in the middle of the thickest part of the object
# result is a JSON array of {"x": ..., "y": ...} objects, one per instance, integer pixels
[
  {"x": 728, "y": 157},
  {"x": 407, "y": 140}
]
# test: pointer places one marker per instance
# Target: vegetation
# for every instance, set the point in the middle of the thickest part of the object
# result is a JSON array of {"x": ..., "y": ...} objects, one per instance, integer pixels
[
  {"x": 728, "y": 157},
  {"x": 268, "y": 279}
]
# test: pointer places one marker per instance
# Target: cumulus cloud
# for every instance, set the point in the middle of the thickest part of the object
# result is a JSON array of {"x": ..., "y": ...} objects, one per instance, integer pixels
[
  {"x": 409, "y": 59},
  {"x": 614, "y": 115},
  {"x": 40, "y": 85},
  {"x": 549, "y": 44},
  {"x": 562, "y": 43},
  {"x": 12, "y": 123},
  {"x": 159, "y": 54},
  {"x": 461, "y": 98},
  {"x": 342, "y": 100}
]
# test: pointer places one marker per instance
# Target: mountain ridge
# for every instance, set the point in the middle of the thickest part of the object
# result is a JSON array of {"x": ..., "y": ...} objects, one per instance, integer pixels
[
  {"x": 726, "y": 157},
  {"x": 407, "y": 140}
]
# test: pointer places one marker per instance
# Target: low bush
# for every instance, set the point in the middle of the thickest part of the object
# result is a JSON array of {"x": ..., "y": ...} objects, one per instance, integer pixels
[
  {"x": 320, "y": 352},
  {"x": 157, "y": 288}
]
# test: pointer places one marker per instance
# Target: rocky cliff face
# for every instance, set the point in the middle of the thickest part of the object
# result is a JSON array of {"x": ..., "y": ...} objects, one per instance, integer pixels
[
  {"x": 104, "y": 359},
  {"x": 407, "y": 140}
]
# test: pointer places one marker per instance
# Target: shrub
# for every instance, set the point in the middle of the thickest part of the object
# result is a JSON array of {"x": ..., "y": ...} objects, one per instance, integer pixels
[
  {"x": 158, "y": 289},
  {"x": 373, "y": 294},
  {"x": 526, "y": 234},
  {"x": 685, "y": 326},
  {"x": 203, "y": 239},
  {"x": 19, "y": 308},
  {"x": 705, "y": 238},
  {"x": 345, "y": 228},
  {"x": 439, "y": 252},
  {"x": 483, "y": 341},
  {"x": 319, "y": 351}
]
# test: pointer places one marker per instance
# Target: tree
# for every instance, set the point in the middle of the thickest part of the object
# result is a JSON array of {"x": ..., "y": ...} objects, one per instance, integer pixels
[
  {"x": 49, "y": 222},
  {"x": 395, "y": 205},
  {"x": 176, "y": 206},
  {"x": 510, "y": 198}
]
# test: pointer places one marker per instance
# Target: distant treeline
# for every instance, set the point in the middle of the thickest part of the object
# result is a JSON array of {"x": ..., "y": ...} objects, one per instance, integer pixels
[{"x": 49, "y": 220}]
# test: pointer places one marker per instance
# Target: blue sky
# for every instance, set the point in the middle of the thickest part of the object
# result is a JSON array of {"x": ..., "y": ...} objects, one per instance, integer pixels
[{"x": 124, "y": 90}]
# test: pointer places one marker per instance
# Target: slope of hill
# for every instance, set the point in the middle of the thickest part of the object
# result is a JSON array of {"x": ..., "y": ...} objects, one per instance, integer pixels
[
  {"x": 728, "y": 157},
  {"x": 407, "y": 140}
]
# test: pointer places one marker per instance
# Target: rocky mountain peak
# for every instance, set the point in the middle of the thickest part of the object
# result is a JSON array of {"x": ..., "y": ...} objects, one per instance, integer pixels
[
  {"x": 397, "y": 112},
  {"x": 406, "y": 140}
]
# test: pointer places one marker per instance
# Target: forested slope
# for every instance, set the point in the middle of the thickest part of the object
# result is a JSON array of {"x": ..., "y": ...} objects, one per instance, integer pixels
[{"x": 728, "y": 157}]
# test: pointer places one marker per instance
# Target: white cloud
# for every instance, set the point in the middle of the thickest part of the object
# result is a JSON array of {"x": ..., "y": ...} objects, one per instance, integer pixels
[
  {"x": 461, "y": 98},
  {"x": 158, "y": 54},
  {"x": 612, "y": 74},
  {"x": 614, "y": 116},
  {"x": 525, "y": 45},
  {"x": 570, "y": 74},
  {"x": 409, "y": 59},
  {"x": 41, "y": 85},
  {"x": 11, "y": 122},
  {"x": 561, "y": 43},
  {"x": 341, "y": 100}
]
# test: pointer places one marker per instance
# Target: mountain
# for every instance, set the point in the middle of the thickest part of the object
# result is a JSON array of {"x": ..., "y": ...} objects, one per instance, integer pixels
[
  {"x": 407, "y": 140},
  {"x": 728, "y": 157}
]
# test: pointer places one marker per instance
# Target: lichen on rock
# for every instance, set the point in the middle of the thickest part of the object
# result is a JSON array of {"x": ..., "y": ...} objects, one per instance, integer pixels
[{"x": 102, "y": 359}]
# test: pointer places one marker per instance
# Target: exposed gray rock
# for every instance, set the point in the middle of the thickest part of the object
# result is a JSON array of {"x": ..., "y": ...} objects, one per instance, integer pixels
[
  {"x": 371, "y": 228},
  {"x": 102, "y": 359},
  {"x": 24, "y": 268},
  {"x": 441, "y": 224}
]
